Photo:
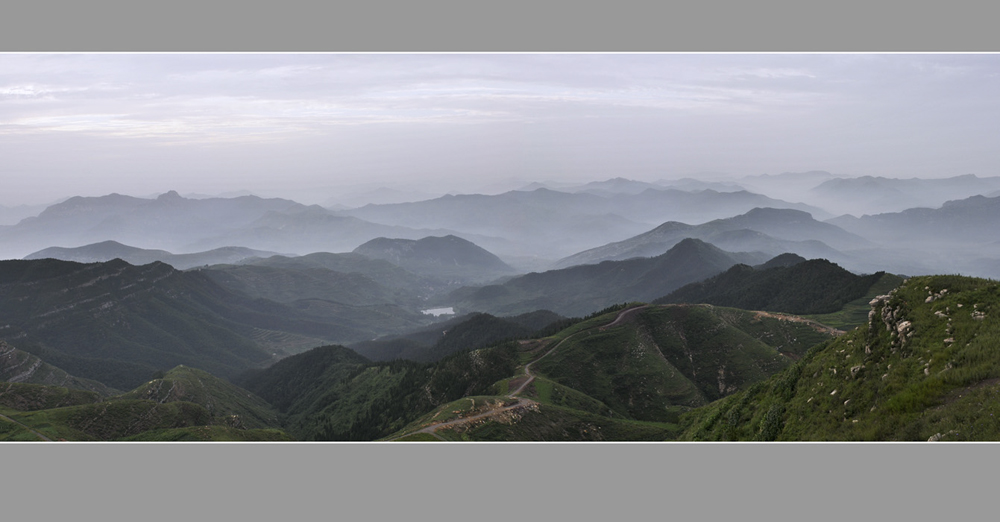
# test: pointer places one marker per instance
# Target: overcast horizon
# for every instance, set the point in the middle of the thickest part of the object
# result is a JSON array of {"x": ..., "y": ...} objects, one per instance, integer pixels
[{"x": 305, "y": 126}]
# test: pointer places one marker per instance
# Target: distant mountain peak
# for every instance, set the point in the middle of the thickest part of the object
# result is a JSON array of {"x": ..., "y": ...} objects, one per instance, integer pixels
[
  {"x": 690, "y": 243},
  {"x": 671, "y": 225},
  {"x": 439, "y": 256},
  {"x": 782, "y": 261},
  {"x": 784, "y": 213}
]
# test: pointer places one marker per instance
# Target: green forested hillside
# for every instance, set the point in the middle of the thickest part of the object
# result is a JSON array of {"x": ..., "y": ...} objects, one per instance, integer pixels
[
  {"x": 337, "y": 396},
  {"x": 287, "y": 285},
  {"x": 664, "y": 359},
  {"x": 22, "y": 367},
  {"x": 922, "y": 367},
  {"x": 816, "y": 286},
  {"x": 117, "y": 323},
  {"x": 384, "y": 272},
  {"x": 182, "y": 404},
  {"x": 30, "y": 397},
  {"x": 101, "y": 421},
  {"x": 476, "y": 330},
  {"x": 626, "y": 373},
  {"x": 297, "y": 381},
  {"x": 229, "y": 405}
]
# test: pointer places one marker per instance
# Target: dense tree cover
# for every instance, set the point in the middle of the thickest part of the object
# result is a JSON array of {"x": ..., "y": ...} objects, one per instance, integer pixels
[
  {"x": 27, "y": 397},
  {"x": 117, "y": 323},
  {"x": 467, "y": 332},
  {"x": 660, "y": 359},
  {"x": 325, "y": 394},
  {"x": 228, "y": 404},
  {"x": 289, "y": 380},
  {"x": 421, "y": 388},
  {"x": 816, "y": 286}
]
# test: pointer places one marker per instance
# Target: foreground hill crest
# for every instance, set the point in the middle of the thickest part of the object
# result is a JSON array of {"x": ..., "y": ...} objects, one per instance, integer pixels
[{"x": 923, "y": 368}]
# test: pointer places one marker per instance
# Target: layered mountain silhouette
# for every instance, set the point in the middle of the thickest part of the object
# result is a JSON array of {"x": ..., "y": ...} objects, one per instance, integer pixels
[
  {"x": 541, "y": 223},
  {"x": 185, "y": 302},
  {"x": 959, "y": 237},
  {"x": 108, "y": 250},
  {"x": 969, "y": 220},
  {"x": 383, "y": 272},
  {"x": 871, "y": 195},
  {"x": 447, "y": 257},
  {"x": 177, "y": 224},
  {"x": 550, "y": 223},
  {"x": 766, "y": 230},
  {"x": 580, "y": 290}
]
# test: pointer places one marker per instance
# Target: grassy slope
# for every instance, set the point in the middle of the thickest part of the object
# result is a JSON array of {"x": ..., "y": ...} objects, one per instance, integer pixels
[
  {"x": 673, "y": 357},
  {"x": 325, "y": 394},
  {"x": 30, "y": 397},
  {"x": 918, "y": 370},
  {"x": 227, "y": 403},
  {"x": 556, "y": 423},
  {"x": 544, "y": 421},
  {"x": 127, "y": 421},
  {"x": 210, "y": 434},
  {"x": 618, "y": 383},
  {"x": 186, "y": 404},
  {"x": 112, "y": 419},
  {"x": 855, "y": 313}
]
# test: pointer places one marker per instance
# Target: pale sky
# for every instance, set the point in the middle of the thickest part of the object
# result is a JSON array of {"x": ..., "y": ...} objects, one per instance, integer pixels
[{"x": 305, "y": 126}]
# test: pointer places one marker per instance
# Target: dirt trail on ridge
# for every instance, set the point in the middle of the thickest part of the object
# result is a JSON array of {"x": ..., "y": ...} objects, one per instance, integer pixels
[{"x": 521, "y": 401}]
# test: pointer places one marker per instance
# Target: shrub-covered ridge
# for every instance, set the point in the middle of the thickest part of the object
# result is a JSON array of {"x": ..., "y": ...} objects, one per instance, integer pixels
[{"x": 924, "y": 367}]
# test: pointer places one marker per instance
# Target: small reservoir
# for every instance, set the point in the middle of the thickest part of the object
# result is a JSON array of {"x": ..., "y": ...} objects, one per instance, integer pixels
[{"x": 439, "y": 311}]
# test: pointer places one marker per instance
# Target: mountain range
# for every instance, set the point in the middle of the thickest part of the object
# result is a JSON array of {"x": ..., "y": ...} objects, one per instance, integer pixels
[
  {"x": 117, "y": 323},
  {"x": 765, "y": 230},
  {"x": 177, "y": 224},
  {"x": 549, "y": 223},
  {"x": 677, "y": 310},
  {"x": 108, "y": 250},
  {"x": 579, "y": 290},
  {"x": 788, "y": 284},
  {"x": 446, "y": 258}
]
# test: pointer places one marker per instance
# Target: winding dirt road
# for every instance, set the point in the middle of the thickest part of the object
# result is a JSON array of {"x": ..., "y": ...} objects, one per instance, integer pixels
[{"x": 521, "y": 401}]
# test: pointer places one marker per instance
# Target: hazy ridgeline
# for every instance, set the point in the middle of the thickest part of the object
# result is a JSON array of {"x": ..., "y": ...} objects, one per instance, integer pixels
[{"x": 122, "y": 293}]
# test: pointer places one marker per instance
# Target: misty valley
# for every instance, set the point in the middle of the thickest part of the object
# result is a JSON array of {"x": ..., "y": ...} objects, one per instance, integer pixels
[{"x": 797, "y": 307}]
